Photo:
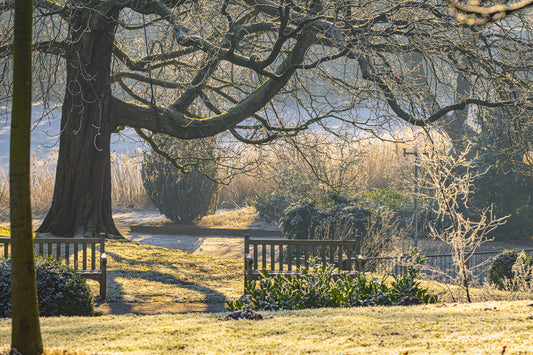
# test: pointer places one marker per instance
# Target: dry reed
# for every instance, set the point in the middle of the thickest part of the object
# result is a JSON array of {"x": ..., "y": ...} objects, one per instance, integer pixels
[{"x": 127, "y": 188}]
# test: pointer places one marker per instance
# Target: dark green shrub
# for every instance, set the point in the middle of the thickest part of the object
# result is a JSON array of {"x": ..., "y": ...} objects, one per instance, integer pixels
[
  {"x": 501, "y": 268},
  {"x": 343, "y": 221},
  {"x": 61, "y": 291},
  {"x": 503, "y": 184},
  {"x": 272, "y": 205},
  {"x": 183, "y": 198},
  {"x": 299, "y": 221},
  {"x": 316, "y": 287}
]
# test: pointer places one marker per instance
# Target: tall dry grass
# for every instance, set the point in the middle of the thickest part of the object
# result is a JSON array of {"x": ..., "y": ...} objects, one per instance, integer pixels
[
  {"x": 312, "y": 164},
  {"x": 127, "y": 188}
]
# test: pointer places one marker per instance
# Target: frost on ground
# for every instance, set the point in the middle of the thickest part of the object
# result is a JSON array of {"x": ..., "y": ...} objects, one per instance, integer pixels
[{"x": 221, "y": 246}]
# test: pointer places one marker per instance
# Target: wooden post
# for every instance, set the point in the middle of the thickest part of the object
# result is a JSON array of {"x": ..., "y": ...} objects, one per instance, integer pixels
[
  {"x": 246, "y": 254},
  {"x": 103, "y": 267}
]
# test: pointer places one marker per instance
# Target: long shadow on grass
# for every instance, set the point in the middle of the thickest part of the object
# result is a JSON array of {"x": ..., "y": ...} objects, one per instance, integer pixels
[{"x": 213, "y": 297}]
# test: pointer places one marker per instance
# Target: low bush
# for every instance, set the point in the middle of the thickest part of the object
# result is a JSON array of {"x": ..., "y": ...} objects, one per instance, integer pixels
[
  {"x": 343, "y": 221},
  {"x": 501, "y": 268},
  {"x": 299, "y": 221},
  {"x": 61, "y": 291},
  {"x": 182, "y": 197},
  {"x": 271, "y": 205},
  {"x": 316, "y": 287}
]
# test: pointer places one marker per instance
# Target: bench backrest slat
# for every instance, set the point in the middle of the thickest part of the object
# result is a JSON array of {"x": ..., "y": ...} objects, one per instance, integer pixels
[
  {"x": 272, "y": 257},
  {"x": 75, "y": 256},
  {"x": 93, "y": 256},
  {"x": 280, "y": 258},
  {"x": 84, "y": 256},
  {"x": 263, "y": 256},
  {"x": 289, "y": 255},
  {"x": 62, "y": 248}
]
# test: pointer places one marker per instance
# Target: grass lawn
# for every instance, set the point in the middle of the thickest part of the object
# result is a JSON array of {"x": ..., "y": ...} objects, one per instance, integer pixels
[
  {"x": 142, "y": 273},
  {"x": 145, "y": 274},
  {"x": 479, "y": 328}
]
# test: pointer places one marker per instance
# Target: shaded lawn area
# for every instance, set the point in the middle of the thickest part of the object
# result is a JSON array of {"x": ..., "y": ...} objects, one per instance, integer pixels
[
  {"x": 144, "y": 273},
  {"x": 479, "y": 328}
]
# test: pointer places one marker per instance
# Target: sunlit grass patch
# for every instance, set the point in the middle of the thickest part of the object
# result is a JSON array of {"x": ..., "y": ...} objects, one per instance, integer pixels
[
  {"x": 239, "y": 219},
  {"x": 438, "y": 329},
  {"x": 143, "y": 273}
]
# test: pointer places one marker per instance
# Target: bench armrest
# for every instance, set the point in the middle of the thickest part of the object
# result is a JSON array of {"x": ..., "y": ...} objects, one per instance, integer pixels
[
  {"x": 248, "y": 262},
  {"x": 103, "y": 262}
]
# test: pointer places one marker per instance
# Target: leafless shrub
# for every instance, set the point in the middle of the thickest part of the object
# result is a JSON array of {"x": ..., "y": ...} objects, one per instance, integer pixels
[{"x": 459, "y": 225}]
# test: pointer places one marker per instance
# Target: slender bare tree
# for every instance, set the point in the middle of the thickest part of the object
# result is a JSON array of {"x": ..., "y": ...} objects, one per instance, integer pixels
[
  {"x": 460, "y": 226},
  {"x": 26, "y": 333}
]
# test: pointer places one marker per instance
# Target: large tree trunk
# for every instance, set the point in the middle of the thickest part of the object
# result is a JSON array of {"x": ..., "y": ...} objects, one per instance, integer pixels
[{"x": 82, "y": 192}]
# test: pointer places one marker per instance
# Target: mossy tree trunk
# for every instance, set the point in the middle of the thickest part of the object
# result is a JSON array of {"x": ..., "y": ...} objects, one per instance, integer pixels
[
  {"x": 26, "y": 332},
  {"x": 82, "y": 195}
]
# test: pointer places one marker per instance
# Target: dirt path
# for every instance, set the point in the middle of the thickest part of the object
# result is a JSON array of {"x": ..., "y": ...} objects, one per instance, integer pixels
[{"x": 226, "y": 246}]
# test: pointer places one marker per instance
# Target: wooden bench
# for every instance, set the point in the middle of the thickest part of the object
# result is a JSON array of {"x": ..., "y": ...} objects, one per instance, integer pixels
[
  {"x": 287, "y": 256},
  {"x": 85, "y": 255}
]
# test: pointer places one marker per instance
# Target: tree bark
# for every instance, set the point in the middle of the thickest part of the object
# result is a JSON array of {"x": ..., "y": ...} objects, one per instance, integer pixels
[
  {"x": 82, "y": 194},
  {"x": 26, "y": 331}
]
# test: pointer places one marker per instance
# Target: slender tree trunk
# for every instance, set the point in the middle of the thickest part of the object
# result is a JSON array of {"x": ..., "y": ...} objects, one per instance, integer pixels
[
  {"x": 82, "y": 192},
  {"x": 26, "y": 332}
]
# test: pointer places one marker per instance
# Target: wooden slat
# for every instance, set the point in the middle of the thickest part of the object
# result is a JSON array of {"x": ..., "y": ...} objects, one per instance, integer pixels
[
  {"x": 272, "y": 257},
  {"x": 304, "y": 242},
  {"x": 298, "y": 256},
  {"x": 67, "y": 253},
  {"x": 84, "y": 256},
  {"x": 289, "y": 257},
  {"x": 93, "y": 257},
  {"x": 280, "y": 256},
  {"x": 264, "y": 256},
  {"x": 255, "y": 256},
  {"x": 75, "y": 256}
]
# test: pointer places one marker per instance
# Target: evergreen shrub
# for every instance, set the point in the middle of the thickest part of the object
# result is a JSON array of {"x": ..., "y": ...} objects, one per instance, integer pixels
[
  {"x": 315, "y": 287},
  {"x": 182, "y": 197},
  {"x": 501, "y": 268},
  {"x": 61, "y": 291},
  {"x": 272, "y": 205}
]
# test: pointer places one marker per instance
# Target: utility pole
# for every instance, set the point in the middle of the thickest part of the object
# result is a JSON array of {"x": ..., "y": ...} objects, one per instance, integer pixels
[{"x": 415, "y": 153}]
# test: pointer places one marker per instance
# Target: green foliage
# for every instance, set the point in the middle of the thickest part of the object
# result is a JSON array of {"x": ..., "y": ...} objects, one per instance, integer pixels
[
  {"x": 501, "y": 268},
  {"x": 400, "y": 205},
  {"x": 343, "y": 221},
  {"x": 316, "y": 287},
  {"x": 181, "y": 197},
  {"x": 510, "y": 191},
  {"x": 392, "y": 199},
  {"x": 272, "y": 205},
  {"x": 511, "y": 270},
  {"x": 299, "y": 221},
  {"x": 61, "y": 291}
]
